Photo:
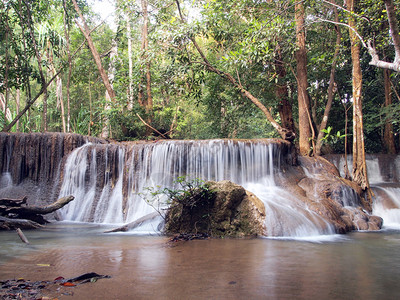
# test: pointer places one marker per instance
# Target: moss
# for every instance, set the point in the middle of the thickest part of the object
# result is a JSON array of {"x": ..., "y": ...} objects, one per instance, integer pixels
[{"x": 230, "y": 212}]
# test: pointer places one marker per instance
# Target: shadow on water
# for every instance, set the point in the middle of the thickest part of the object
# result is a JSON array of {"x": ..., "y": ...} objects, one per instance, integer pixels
[{"x": 363, "y": 265}]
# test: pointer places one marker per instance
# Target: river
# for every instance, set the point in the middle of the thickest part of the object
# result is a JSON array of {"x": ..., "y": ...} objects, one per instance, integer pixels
[{"x": 359, "y": 265}]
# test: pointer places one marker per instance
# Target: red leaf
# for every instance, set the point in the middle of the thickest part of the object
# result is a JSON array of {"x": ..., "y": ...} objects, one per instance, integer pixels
[
  {"x": 68, "y": 284},
  {"x": 59, "y": 278}
]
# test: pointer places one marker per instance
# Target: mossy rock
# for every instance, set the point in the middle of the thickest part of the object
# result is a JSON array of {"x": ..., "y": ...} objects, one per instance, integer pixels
[{"x": 230, "y": 211}]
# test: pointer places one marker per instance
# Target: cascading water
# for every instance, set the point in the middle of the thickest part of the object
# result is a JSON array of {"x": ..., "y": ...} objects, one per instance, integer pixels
[
  {"x": 110, "y": 183},
  {"x": 384, "y": 178}
]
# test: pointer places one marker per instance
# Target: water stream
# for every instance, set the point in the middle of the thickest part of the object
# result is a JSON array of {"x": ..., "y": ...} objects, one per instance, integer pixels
[{"x": 354, "y": 266}]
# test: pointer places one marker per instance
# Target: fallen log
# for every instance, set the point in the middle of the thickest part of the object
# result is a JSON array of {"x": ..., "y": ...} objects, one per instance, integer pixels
[
  {"x": 13, "y": 202},
  {"x": 13, "y": 224},
  {"x": 22, "y": 236},
  {"x": 134, "y": 224},
  {"x": 27, "y": 217},
  {"x": 41, "y": 210}
]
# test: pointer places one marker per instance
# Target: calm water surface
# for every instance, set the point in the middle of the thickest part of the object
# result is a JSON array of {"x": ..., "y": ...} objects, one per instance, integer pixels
[{"x": 355, "y": 266}]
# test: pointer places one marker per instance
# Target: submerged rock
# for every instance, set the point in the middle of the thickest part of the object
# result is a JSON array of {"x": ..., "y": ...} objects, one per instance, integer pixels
[{"x": 231, "y": 211}]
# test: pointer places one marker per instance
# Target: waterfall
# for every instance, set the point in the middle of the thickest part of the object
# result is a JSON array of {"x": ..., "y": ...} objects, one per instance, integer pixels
[
  {"x": 384, "y": 176},
  {"x": 110, "y": 183}
]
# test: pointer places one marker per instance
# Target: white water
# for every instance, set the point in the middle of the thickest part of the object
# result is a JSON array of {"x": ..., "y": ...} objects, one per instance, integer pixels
[
  {"x": 157, "y": 165},
  {"x": 387, "y": 190},
  {"x": 387, "y": 206}
]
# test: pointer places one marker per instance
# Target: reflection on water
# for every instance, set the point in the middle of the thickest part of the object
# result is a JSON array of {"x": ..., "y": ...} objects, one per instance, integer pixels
[{"x": 355, "y": 266}]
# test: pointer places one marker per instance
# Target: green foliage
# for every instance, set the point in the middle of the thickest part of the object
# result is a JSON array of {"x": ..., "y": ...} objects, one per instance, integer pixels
[
  {"x": 248, "y": 39},
  {"x": 331, "y": 137},
  {"x": 187, "y": 194}
]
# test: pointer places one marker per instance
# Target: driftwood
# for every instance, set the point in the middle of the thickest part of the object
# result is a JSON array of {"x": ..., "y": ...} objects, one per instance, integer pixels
[
  {"x": 14, "y": 215},
  {"x": 10, "y": 224},
  {"x": 39, "y": 210},
  {"x": 137, "y": 223},
  {"x": 22, "y": 236},
  {"x": 13, "y": 202}
]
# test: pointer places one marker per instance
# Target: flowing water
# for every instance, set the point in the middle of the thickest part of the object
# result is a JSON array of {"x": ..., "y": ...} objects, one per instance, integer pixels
[
  {"x": 354, "y": 266},
  {"x": 384, "y": 178},
  {"x": 301, "y": 259},
  {"x": 121, "y": 196}
]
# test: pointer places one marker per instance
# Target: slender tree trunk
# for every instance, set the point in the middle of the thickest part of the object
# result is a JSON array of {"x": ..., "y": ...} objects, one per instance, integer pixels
[
  {"x": 66, "y": 33},
  {"x": 39, "y": 60},
  {"x": 59, "y": 92},
  {"x": 302, "y": 83},
  {"x": 148, "y": 100},
  {"x": 360, "y": 175},
  {"x": 282, "y": 94},
  {"x": 389, "y": 142},
  {"x": 7, "y": 29},
  {"x": 18, "y": 101},
  {"x": 130, "y": 61},
  {"x": 86, "y": 32},
  {"x": 331, "y": 88},
  {"x": 61, "y": 100},
  {"x": 106, "y": 132},
  {"x": 90, "y": 107}
]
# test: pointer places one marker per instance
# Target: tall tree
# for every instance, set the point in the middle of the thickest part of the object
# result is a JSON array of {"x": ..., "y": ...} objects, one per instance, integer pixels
[
  {"x": 86, "y": 32},
  {"x": 305, "y": 125},
  {"x": 388, "y": 135},
  {"x": 359, "y": 163},
  {"x": 66, "y": 33},
  {"x": 145, "y": 100},
  {"x": 331, "y": 88}
]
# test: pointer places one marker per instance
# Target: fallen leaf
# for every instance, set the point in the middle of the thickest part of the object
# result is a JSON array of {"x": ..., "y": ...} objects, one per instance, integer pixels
[
  {"x": 43, "y": 265},
  {"x": 59, "y": 278},
  {"x": 68, "y": 284}
]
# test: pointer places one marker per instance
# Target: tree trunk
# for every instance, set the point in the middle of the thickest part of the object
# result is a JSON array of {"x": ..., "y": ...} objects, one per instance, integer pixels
[
  {"x": 302, "y": 82},
  {"x": 394, "y": 32},
  {"x": 86, "y": 32},
  {"x": 281, "y": 92},
  {"x": 18, "y": 101},
  {"x": 331, "y": 88},
  {"x": 66, "y": 33},
  {"x": 7, "y": 66},
  {"x": 389, "y": 142},
  {"x": 130, "y": 61},
  {"x": 360, "y": 175},
  {"x": 148, "y": 100},
  {"x": 106, "y": 131},
  {"x": 13, "y": 215}
]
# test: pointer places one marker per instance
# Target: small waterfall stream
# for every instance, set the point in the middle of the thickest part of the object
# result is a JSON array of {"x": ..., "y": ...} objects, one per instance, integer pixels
[
  {"x": 384, "y": 176},
  {"x": 120, "y": 196}
]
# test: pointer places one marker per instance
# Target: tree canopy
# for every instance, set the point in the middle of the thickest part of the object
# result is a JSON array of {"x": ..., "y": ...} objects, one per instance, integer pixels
[{"x": 202, "y": 69}]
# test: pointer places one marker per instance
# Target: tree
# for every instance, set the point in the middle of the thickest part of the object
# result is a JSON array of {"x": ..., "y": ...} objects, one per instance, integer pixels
[
  {"x": 331, "y": 88},
  {"x": 283, "y": 132},
  {"x": 359, "y": 163},
  {"x": 305, "y": 125},
  {"x": 394, "y": 33},
  {"x": 86, "y": 32}
]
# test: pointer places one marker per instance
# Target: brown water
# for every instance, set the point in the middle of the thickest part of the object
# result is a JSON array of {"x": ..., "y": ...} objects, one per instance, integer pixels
[{"x": 355, "y": 266}]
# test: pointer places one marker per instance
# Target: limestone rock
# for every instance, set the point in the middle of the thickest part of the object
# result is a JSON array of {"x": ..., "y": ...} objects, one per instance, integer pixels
[{"x": 231, "y": 212}]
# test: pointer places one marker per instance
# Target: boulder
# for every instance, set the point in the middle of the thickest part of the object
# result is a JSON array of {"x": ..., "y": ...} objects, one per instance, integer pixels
[{"x": 230, "y": 211}]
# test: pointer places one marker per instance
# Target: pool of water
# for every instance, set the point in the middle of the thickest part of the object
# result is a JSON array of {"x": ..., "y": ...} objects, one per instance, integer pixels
[{"x": 362, "y": 265}]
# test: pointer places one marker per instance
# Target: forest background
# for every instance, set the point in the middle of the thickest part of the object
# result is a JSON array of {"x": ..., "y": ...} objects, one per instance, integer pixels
[{"x": 203, "y": 69}]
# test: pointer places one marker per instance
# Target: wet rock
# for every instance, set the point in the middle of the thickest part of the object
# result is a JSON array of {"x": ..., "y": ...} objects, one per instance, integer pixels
[
  {"x": 336, "y": 199},
  {"x": 33, "y": 163},
  {"x": 231, "y": 212}
]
